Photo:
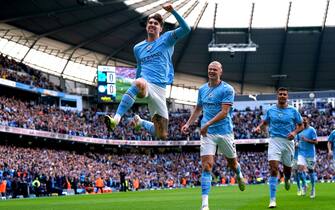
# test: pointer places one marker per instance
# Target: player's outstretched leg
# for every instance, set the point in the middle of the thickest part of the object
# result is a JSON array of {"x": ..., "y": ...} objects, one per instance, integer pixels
[
  {"x": 161, "y": 126},
  {"x": 233, "y": 164},
  {"x": 157, "y": 128},
  {"x": 137, "y": 121},
  {"x": 110, "y": 122},
  {"x": 127, "y": 102},
  {"x": 140, "y": 123}
]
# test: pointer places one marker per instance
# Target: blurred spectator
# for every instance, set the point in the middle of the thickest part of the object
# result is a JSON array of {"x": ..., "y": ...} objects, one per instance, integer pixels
[
  {"x": 19, "y": 72},
  {"x": 55, "y": 170},
  {"x": 17, "y": 113}
]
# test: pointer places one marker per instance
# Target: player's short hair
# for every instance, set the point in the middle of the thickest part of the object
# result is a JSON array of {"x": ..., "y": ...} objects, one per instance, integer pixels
[
  {"x": 282, "y": 89},
  {"x": 217, "y": 63},
  {"x": 157, "y": 17}
]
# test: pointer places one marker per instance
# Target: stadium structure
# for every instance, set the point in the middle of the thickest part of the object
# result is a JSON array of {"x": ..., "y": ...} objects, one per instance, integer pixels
[{"x": 52, "y": 137}]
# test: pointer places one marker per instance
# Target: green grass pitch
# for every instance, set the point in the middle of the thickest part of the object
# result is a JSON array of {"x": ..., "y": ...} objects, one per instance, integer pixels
[{"x": 221, "y": 198}]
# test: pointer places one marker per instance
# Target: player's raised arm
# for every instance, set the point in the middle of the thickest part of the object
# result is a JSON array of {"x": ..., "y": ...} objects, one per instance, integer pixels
[{"x": 184, "y": 28}]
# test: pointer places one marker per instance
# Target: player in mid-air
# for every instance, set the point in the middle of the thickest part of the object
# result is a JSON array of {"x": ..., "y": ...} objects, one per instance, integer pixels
[
  {"x": 215, "y": 100},
  {"x": 307, "y": 139},
  {"x": 331, "y": 146},
  {"x": 285, "y": 122},
  {"x": 154, "y": 72}
]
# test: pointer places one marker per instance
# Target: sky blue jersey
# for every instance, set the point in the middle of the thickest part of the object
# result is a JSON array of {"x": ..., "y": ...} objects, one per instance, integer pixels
[
  {"x": 331, "y": 138},
  {"x": 154, "y": 59},
  {"x": 211, "y": 100},
  {"x": 282, "y": 121},
  {"x": 306, "y": 149}
]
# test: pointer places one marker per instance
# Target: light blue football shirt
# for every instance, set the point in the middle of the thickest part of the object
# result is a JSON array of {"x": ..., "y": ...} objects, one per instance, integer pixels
[
  {"x": 282, "y": 121},
  {"x": 154, "y": 59},
  {"x": 306, "y": 149},
  {"x": 331, "y": 138},
  {"x": 211, "y": 100}
]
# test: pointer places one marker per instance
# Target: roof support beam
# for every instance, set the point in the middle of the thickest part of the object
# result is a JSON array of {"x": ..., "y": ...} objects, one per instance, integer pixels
[
  {"x": 81, "y": 22},
  {"x": 124, "y": 45},
  {"x": 318, "y": 50},
  {"x": 248, "y": 39},
  {"x": 113, "y": 29},
  {"x": 30, "y": 47},
  {"x": 195, "y": 26},
  {"x": 67, "y": 62},
  {"x": 132, "y": 40},
  {"x": 5, "y": 34},
  {"x": 213, "y": 30},
  {"x": 282, "y": 49},
  {"x": 57, "y": 12},
  {"x": 168, "y": 14},
  {"x": 188, "y": 38}
]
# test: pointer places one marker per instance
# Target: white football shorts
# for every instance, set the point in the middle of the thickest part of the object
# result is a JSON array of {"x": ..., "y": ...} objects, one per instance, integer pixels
[
  {"x": 282, "y": 150},
  {"x": 309, "y": 162},
  {"x": 223, "y": 144},
  {"x": 157, "y": 100}
]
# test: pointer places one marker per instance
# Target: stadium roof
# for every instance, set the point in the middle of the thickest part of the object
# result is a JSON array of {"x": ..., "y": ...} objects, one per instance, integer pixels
[{"x": 296, "y": 40}]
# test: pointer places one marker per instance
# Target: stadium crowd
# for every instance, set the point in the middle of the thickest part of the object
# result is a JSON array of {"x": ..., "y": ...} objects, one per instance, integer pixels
[
  {"x": 56, "y": 170},
  {"x": 89, "y": 123},
  {"x": 59, "y": 169},
  {"x": 19, "y": 72}
]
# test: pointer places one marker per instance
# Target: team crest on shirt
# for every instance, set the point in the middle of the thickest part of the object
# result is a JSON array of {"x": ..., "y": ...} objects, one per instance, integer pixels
[{"x": 149, "y": 47}]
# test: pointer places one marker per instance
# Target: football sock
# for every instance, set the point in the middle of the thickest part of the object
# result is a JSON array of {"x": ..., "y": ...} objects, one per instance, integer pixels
[
  {"x": 313, "y": 178},
  {"x": 303, "y": 179},
  {"x": 206, "y": 180},
  {"x": 273, "y": 180},
  {"x": 238, "y": 171},
  {"x": 297, "y": 179},
  {"x": 204, "y": 199},
  {"x": 127, "y": 101},
  {"x": 148, "y": 126}
]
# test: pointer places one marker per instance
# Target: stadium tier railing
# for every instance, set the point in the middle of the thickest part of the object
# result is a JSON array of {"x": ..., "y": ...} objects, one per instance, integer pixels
[{"x": 60, "y": 136}]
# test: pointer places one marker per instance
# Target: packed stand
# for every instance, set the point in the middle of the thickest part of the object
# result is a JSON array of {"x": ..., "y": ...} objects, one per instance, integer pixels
[
  {"x": 19, "y": 72},
  {"x": 57, "y": 170},
  {"x": 322, "y": 118},
  {"x": 89, "y": 123}
]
